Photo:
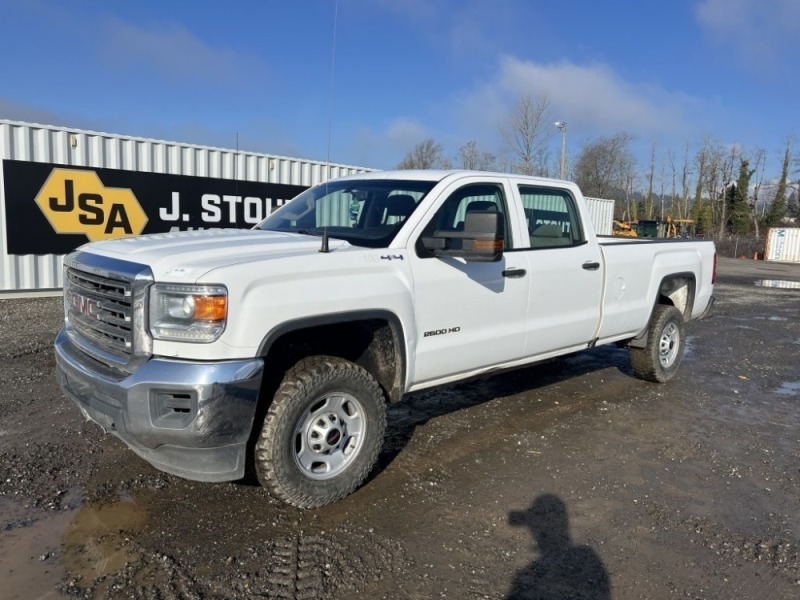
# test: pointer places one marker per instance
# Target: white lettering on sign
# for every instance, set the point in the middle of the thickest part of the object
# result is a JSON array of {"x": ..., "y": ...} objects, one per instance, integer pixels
[
  {"x": 211, "y": 210},
  {"x": 223, "y": 210}
]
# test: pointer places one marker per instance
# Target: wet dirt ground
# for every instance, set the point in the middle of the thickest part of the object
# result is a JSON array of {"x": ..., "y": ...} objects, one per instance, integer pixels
[{"x": 570, "y": 479}]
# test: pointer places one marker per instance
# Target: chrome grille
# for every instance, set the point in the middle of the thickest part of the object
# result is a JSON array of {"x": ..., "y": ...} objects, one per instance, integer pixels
[{"x": 100, "y": 309}]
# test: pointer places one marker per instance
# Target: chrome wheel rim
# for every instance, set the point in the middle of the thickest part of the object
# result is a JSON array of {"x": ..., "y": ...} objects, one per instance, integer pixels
[
  {"x": 669, "y": 345},
  {"x": 329, "y": 435}
]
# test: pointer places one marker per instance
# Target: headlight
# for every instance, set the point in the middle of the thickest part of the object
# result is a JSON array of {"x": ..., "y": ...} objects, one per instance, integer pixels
[{"x": 188, "y": 313}]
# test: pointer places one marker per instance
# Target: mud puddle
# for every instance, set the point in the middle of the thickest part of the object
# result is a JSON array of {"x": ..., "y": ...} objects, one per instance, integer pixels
[
  {"x": 30, "y": 551},
  {"x": 789, "y": 388},
  {"x": 778, "y": 283},
  {"x": 94, "y": 542},
  {"x": 89, "y": 544}
]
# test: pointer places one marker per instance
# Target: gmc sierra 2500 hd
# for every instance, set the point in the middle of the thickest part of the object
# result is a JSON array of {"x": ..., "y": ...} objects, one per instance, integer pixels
[{"x": 278, "y": 347}]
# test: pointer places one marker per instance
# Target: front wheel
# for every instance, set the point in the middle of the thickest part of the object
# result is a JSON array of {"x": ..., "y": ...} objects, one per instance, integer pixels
[
  {"x": 666, "y": 340},
  {"x": 322, "y": 433}
]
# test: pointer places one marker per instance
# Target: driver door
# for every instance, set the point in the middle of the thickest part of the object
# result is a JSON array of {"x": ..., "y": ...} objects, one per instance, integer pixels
[{"x": 469, "y": 315}]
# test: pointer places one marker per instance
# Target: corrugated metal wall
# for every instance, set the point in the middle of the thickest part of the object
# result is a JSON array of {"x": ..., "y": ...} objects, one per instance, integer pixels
[
  {"x": 42, "y": 143},
  {"x": 601, "y": 211},
  {"x": 783, "y": 244}
]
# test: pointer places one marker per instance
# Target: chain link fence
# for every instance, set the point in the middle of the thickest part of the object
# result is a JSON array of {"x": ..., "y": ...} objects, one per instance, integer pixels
[{"x": 737, "y": 246}]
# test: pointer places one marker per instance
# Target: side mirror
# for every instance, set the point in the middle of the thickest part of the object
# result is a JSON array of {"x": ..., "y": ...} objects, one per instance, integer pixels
[{"x": 481, "y": 240}]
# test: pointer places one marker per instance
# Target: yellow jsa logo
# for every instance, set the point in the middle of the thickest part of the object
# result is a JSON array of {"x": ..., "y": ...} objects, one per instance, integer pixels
[{"x": 78, "y": 202}]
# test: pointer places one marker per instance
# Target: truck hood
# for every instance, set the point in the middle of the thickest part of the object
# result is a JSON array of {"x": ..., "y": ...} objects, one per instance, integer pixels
[{"x": 188, "y": 255}]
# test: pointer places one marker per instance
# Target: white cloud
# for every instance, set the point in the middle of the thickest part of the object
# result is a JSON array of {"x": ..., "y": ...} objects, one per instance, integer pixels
[
  {"x": 406, "y": 132},
  {"x": 467, "y": 28},
  {"x": 28, "y": 113},
  {"x": 592, "y": 97},
  {"x": 14, "y": 111},
  {"x": 172, "y": 51},
  {"x": 385, "y": 148},
  {"x": 761, "y": 32}
]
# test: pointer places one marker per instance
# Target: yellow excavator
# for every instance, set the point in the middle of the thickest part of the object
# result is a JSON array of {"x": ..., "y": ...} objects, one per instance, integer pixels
[{"x": 623, "y": 229}]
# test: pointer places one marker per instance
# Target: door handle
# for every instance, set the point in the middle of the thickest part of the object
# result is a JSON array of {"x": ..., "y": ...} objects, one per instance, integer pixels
[
  {"x": 591, "y": 266},
  {"x": 514, "y": 273}
]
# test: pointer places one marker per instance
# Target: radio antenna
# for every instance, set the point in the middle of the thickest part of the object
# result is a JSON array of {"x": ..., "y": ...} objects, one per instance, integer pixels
[
  {"x": 330, "y": 94},
  {"x": 325, "y": 248}
]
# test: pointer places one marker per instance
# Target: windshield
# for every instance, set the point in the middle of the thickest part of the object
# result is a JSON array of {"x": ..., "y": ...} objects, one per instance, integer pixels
[{"x": 365, "y": 212}]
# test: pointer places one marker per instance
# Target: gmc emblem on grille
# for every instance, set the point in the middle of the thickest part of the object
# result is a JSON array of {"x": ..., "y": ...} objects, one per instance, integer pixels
[{"x": 86, "y": 306}]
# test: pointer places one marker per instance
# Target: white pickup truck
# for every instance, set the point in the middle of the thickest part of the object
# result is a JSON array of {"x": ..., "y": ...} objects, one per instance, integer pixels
[{"x": 278, "y": 347}]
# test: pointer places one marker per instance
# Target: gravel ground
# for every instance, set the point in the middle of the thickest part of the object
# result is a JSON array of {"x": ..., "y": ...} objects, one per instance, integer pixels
[{"x": 565, "y": 480}]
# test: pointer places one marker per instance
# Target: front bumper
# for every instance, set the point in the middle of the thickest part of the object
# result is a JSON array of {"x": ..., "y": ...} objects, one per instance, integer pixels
[{"x": 191, "y": 419}]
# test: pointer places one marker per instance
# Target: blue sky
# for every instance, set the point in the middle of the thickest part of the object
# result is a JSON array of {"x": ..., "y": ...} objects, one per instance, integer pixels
[{"x": 669, "y": 72}]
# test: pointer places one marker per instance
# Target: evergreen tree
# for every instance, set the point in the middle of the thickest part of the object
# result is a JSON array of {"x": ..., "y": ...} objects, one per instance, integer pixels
[
  {"x": 777, "y": 210},
  {"x": 701, "y": 215},
  {"x": 793, "y": 205},
  {"x": 737, "y": 199},
  {"x": 697, "y": 206}
]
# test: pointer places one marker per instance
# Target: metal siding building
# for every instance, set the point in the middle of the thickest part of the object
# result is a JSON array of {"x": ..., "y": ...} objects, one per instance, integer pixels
[
  {"x": 75, "y": 148},
  {"x": 601, "y": 211},
  {"x": 783, "y": 244}
]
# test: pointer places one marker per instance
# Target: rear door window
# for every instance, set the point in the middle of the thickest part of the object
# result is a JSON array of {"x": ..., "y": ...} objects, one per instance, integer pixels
[{"x": 551, "y": 217}]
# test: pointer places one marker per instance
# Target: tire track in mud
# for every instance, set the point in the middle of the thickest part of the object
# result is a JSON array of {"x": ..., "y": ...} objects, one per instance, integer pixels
[
  {"x": 319, "y": 566},
  {"x": 780, "y": 555},
  {"x": 294, "y": 567}
]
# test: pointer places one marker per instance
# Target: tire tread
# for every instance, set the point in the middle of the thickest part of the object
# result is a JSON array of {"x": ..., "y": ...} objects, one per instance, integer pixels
[
  {"x": 296, "y": 384},
  {"x": 644, "y": 361}
]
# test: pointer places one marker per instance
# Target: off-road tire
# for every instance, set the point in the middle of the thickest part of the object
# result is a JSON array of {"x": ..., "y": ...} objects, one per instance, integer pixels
[
  {"x": 666, "y": 340},
  {"x": 282, "y": 450}
]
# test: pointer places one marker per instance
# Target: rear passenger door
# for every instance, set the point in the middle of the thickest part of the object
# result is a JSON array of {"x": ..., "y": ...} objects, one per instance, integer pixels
[{"x": 565, "y": 271}]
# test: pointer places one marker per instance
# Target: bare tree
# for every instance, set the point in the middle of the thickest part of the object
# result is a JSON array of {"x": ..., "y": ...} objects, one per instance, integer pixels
[
  {"x": 604, "y": 166},
  {"x": 662, "y": 189},
  {"x": 525, "y": 134},
  {"x": 711, "y": 179},
  {"x": 470, "y": 158},
  {"x": 427, "y": 154},
  {"x": 629, "y": 177},
  {"x": 648, "y": 204},
  {"x": 699, "y": 213},
  {"x": 686, "y": 171},
  {"x": 674, "y": 174}
]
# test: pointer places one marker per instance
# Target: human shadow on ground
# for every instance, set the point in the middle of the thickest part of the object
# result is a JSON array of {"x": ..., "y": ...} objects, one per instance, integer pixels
[{"x": 562, "y": 570}]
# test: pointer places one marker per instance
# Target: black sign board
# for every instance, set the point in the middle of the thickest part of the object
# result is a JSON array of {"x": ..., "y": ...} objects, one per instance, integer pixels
[{"x": 53, "y": 209}]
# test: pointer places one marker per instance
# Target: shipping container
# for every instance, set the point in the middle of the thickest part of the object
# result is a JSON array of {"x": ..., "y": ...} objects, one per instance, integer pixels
[
  {"x": 783, "y": 244},
  {"x": 62, "y": 187},
  {"x": 601, "y": 211}
]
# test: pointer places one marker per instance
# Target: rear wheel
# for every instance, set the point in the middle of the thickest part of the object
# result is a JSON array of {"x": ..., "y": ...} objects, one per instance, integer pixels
[
  {"x": 322, "y": 433},
  {"x": 660, "y": 359}
]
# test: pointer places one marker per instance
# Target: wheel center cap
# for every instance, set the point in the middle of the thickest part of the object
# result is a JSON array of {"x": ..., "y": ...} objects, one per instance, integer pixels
[{"x": 333, "y": 437}]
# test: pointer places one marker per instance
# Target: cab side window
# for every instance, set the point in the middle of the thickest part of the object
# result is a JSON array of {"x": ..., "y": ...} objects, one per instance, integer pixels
[
  {"x": 551, "y": 217},
  {"x": 480, "y": 197}
]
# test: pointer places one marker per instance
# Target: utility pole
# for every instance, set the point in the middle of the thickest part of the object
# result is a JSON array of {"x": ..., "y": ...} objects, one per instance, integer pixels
[{"x": 562, "y": 126}]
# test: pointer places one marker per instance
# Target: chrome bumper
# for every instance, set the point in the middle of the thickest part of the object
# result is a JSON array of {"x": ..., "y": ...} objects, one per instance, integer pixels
[{"x": 191, "y": 419}]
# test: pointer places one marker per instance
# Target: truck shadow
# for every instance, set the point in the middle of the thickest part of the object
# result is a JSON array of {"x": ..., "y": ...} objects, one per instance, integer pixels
[{"x": 418, "y": 408}]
